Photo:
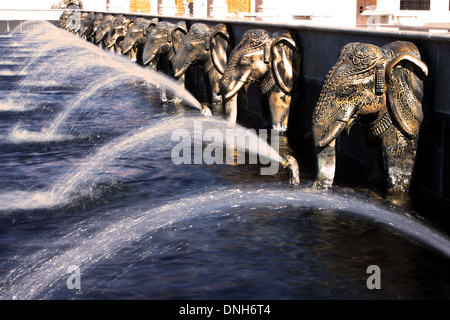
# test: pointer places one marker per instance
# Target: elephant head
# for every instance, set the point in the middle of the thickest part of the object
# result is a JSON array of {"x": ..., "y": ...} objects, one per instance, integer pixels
[
  {"x": 93, "y": 26},
  {"x": 74, "y": 21},
  {"x": 206, "y": 46},
  {"x": 137, "y": 33},
  {"x": 382, "y": 88},
  {"x": 62, "y": 23},
  {"x": 118, "y": 32},
  {"x": 103, "y": 29},
  {"x": 86, "y": 20},
  {"x": 165, "y": 39},
  {"x": 272, "y": 61}
]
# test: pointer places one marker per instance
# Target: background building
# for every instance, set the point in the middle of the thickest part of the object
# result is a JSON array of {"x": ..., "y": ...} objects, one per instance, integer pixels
[
  {"x": 330, "y": 12},
  {"x": 410, "y": 12}
]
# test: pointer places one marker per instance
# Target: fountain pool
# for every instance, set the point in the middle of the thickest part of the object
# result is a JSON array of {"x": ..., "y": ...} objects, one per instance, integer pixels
[{"x": 87, "y": 180}]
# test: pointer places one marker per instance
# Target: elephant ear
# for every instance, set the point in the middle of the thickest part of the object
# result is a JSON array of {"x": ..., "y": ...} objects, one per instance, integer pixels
[
  {"x": 405, "y": 74},
  {"x": 178, "y": 33},
  {"x": 285, "y": 61},
  {"x": 218, "y": 40},
  {"x": 128, "y": 23},
  {"x": 151, "y": 26}
]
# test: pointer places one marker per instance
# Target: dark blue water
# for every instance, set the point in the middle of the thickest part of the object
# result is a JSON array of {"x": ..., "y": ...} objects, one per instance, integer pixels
[{"x": 102, "y": 193}]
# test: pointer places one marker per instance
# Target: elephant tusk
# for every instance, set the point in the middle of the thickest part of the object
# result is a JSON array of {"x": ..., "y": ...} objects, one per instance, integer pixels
[
  {"x": 111, "y": 44},
  {"x": 236, "y": 88},
  {"x": 334, "y": 133},
  {"x": 238, "y": 85},
  {"x": 127, "y": 50},
  {"x": 93, "y": 32},
  {"x": 149, "y": 59},
  {"x": 179, "y": 73}
]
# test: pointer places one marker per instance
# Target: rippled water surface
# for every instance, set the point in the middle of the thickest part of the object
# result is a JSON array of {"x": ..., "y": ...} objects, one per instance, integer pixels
[{"x": 87, "y": 180}]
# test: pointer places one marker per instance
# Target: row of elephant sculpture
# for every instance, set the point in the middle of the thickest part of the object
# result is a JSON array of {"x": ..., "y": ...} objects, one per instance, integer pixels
[
  {"x": 273, "y": 60},
  {"x": 380, "y": 87}
]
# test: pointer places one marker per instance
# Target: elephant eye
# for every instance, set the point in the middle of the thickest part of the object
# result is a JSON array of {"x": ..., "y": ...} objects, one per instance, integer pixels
[
  {"x": 346, "y": 90},
  {"x": 245, "y": 60}
]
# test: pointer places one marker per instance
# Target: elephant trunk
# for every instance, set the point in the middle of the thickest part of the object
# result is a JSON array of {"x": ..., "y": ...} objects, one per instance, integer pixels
[
  {"x": 326, "y": 166},
  {"x": 231, "y": 109},
  {"x": 334, "y": 117},
  {"x": 291, "y": 165},
  {"x": 329, "y": 120},
  {"x": 149, "y": 55},
  {"x": 128, "y": 44},
  {"x": 182, "y": 62}
]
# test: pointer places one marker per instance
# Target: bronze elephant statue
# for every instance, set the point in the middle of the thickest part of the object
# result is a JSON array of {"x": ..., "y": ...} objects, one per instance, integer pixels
[
  {"x": 103, "y": 30},
  {"x": 272, "y": 61},
  {"x": 206, "y": 46},
  {"x": 74, "y": 21},
  {"x": 382, "y": 88},
  {"x": 62, "y": 22},
  {"x": 93, "y": 27},
  {"x": 86, "y": 20},
  {"x": 164, "y": 40},
  {"x": 116, "y": 35},
  {"x": 136, "y": 37}
]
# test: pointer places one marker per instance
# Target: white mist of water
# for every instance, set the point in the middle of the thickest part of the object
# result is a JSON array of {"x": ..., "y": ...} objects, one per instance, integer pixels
[
  {"x": 20, "y": 135},
  {"x": 61, "y": 118},
  {"x": 9, "y": 106},
  {"x": 42, "y": 276},
  {"x": 5, "y": 73},
  {"x": 258, "y": 147},
  {"x": 80, "y": 180},
  {"x": 63, "y": 56},
  {"x": 51, "y": 131}
]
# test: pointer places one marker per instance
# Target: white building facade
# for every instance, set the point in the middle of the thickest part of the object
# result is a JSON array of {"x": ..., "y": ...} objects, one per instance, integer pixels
[{"x": 326, "y": 12}]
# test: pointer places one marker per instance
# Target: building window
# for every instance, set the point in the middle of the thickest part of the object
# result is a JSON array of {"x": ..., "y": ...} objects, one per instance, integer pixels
[
  {"x": 235, "y": 6},
  {"x": 139, "y": 5},
  {"x": 414, "y": 4}
]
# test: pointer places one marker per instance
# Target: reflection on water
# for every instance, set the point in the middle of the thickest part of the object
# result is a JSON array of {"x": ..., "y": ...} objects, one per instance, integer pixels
[{"x": 107, "y": 198}]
